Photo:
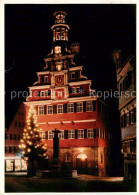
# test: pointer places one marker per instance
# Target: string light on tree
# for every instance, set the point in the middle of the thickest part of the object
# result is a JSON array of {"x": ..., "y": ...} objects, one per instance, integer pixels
[{"x": 31, "y": 145}]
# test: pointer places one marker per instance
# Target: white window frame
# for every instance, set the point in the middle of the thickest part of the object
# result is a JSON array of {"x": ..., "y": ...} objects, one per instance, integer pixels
[
  {"x": 48, "y": 111},
  {"x": 60, "y": 110},
  {"x": 80, "y": 133},
  {"x": 70, "y": 108},
  {"x": 79, "y": 106},
  {"x": 40, "y": 110},
  {"x": 89, "y": 106},
  {"x": 43, "y": 135},
  {"x": 42, "y": 93},
  {"x": 50, "y": 135},
  {"x": 90, "y": 133},
  {"x": 71, "y": 134},
  {"x": 61, "y": 134}
]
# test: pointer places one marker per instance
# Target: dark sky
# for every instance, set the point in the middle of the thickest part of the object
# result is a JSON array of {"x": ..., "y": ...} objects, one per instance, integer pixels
[{"x": 99, "y": 29}]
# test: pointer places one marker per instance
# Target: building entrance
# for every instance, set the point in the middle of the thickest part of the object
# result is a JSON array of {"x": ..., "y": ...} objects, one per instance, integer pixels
[{"x": 81, "y": 163}]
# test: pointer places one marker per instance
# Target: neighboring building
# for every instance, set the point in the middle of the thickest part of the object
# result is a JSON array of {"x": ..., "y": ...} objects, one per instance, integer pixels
[
  {"x": 64, "y": 100},
  {"x": 126, "y": 85}
]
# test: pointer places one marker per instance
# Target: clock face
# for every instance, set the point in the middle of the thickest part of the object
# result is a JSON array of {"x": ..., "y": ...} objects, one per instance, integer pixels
[{"x": 59, "y": 80}]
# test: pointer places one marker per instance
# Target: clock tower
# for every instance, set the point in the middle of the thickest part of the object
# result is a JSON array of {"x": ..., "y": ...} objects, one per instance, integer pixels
[{"x": 60, "y": 33}]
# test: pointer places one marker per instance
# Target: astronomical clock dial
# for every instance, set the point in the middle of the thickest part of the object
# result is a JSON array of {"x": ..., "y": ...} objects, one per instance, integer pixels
[{"x": 59, "y": 80}]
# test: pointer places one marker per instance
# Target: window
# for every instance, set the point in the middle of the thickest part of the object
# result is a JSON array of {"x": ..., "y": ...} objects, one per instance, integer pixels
[
  {"x": 42, "y": 94},
  {"x": 127, "y": 119},
  {"x": 10, "y": 149},
  {"x": 61, "y": 134},
  {"x": 45, "y": 79},
  {"x": 80, "y": 107},
  {"x": 18, "y": 137},
  {"x": 70, "y": 108},
  {"x": 15, "y": 124},
  {"x": 89, "y": 106},
  {"x": 71, "y": 134},
  {"x": 73, "y": 90},
  {"x": 73, "y": 75},
  {"x": 78, "y": 89},
  {"x": 81, "y": 133},
  {"x": 43, "y": 134},
  {"x": 14, "y": 136},
  {"x": 40, "y": 110},
  {"x": 50, "y": 135},
  {"x": 19, "y": 125},
  {"x": 49, "y": 109},
  {"x": 90, "y": 133},
  {"x": 10, "y": 136},
  {"x": 60, "y": 108},
  {"x": 132, "y": 116},
  {"x": 38, "y": 93}
]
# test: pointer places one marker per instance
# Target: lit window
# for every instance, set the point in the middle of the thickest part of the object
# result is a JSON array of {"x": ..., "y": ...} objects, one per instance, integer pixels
[
  {"x": 70, "y": 108},
  {"x": 49, "y": 109},
  {"x": 50, "y": 135},
  {"x": 43, "y": 134},
  {"x": 71, "y": 134},
  {"x": 80, "y": 107},
  {"x": 40, "y": 110},
  {"x": 89, "y": 106},
  {"x": 61, "y": 134},
  {"x": 60, "y": 108},
  {"x": 81, "y": 133},
  {"x": 90, "y": 133}
]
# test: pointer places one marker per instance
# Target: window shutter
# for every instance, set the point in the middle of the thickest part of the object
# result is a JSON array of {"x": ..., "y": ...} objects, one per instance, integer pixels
[
  {"x": 85, "y": 133},
  {"x": 54, "y": 109},
  {"x": 65, "y": 134},
  {"x": 75, "y": 107},
  {"x": 64, "y": 108},
  {"x": 84, "y": 106},
  {"x": 46, "y": 134},
  {"x": 94, "y": 105},
  {"x": 76, "y": 133},
  {"x": 97, "y": 132},
  {"x": 45, "y": 109},
  {"x": 94, "y": 133}
]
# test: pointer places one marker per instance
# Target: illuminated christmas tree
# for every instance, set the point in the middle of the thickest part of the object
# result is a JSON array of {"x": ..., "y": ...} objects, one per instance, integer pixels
[{"x": 31, "y": 145}]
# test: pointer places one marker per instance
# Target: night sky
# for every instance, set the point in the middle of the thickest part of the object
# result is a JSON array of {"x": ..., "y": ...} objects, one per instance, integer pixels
[{"x": 99, "y": 29}]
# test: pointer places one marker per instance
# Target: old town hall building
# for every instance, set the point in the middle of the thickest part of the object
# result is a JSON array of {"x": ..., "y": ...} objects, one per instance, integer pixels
[{"x": 64, "y": 100}]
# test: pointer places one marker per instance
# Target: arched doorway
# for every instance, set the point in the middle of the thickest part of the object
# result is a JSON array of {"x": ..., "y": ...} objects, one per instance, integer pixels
[{"x": 81, "y": 163}]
